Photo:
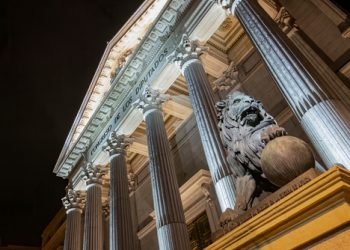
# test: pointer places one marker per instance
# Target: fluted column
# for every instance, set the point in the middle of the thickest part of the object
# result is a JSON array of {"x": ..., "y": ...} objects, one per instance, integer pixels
[
  {"x": 122, "y": 236},
  {"x": 186, "y": 56},
  {"x": 322, "y": 115},
  {"x": 74, "y": 204},
  {"x": 335, "y": 86},
  {"x": 93, "y": 226},
  {"x": 170, "y": 219}
]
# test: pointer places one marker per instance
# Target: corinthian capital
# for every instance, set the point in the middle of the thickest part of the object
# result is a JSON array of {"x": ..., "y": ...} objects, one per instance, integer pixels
[
  {"x": 187, "y": 52},
  {"x": 117, "y": 144},
  {"x": 229, "y": 5},
  {"x": 150, "y": 99},
  {"x": 93, "y": 174},
  {"x": 73, "y": 199},
  {"x": 225, "y": 3}
]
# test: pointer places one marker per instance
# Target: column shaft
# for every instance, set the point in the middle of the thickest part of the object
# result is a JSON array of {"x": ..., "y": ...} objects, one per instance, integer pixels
[
  {"x": 72, "y": 240},
  {"x": 93, "y": 227},
  {"x": 324, "y": 119},
  {"x": 171, "y": 227},
  {"x": 122, "y": 235},
  {"x": 202, "y": 98}
]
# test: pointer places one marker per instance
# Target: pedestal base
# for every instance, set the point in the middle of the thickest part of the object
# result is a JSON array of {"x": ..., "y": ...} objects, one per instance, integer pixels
[{"x": 315, "y": 216}]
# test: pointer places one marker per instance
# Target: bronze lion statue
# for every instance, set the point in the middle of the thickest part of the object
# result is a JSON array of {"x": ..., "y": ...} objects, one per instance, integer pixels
[{"x": 245, "y": 129}]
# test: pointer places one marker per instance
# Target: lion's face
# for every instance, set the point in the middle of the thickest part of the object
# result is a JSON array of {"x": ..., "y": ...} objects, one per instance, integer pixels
[
  {"x": 245, "y": 110},
  {"x": 242, "y": 119}
]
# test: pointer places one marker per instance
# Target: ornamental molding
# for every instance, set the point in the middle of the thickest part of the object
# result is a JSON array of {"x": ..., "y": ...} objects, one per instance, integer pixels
[
  {"x": 116, "y": 55},
  {"x": 132, "y": 181},
  {"x": 93, "y": 174},
  {"x": 229, "y": 78},
  {"x": 74, "y": 199},
  {"x": 229, "y": 5},
  {"x": 117, "y": 144},
  {"x": 139, "y": 69},
  {"x": 284, "y": 20},
  {"x": 151, "y": 99},
  {"x": 186, "y": 52}
]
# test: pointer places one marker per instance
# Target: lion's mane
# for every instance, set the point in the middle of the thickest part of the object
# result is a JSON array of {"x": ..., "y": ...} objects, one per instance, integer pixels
[{"x": 242, "y": 120}]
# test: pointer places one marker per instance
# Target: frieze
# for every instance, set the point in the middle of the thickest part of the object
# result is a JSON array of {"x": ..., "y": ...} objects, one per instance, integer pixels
[
  {"x": 128, "y": 38},
  {"x": 136, "y": 73}
]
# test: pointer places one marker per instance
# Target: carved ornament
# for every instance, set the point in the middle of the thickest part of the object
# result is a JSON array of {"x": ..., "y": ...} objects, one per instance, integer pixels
[
  {"x": 73, "y": 199},
  {"x": 187, "y": 52},
  {"x": 151, "y": 99},
  {"x": 117, "y": 144}
]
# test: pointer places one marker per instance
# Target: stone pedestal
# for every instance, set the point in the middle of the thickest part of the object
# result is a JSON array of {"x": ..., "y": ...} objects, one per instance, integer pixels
[{"x": 315, "y": 216}]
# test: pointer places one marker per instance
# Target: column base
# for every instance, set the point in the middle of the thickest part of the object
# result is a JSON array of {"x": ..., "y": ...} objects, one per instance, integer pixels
[
  {"x": 225, "y": 192},
  {"x": 327, "y": 126}
]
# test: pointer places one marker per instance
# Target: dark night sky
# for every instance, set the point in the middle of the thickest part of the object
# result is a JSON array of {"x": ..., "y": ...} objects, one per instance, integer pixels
[{"x": 49, "y": 51}]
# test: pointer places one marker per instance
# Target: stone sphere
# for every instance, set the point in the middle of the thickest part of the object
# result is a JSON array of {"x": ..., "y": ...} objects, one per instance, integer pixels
[{"x": 285, "y": 158}]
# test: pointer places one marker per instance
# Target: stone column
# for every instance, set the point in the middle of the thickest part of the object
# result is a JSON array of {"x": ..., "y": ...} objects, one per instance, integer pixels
[
  {"x": 322, "y": 115},
  {"x": 335, "y": 86},
  {"x": 74, "y": 204},
  {"x": 186, "y": 56},
  {"x": 93, "y": 226},
  {"x": 122, "y": 236},
  {"x": 170, "y": 219}
]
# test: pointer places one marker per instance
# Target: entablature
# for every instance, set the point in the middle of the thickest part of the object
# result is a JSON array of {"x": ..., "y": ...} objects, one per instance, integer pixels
[{"x": 147, "y": 64}]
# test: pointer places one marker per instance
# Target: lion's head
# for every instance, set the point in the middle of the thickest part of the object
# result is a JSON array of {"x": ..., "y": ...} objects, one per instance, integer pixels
[{"x": 242, "y": 123}]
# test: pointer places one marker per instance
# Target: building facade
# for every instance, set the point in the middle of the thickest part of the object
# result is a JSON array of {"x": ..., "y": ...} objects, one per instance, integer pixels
[{"x": 144, "y": 160}]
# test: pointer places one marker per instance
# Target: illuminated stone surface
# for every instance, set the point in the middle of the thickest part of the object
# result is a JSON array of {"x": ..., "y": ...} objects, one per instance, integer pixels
[
  {"x": 93, "y": 225},
  {"x": 74, "y": 204},
  {"x": 170, "y": 220},
  {"x": 186, "y": 56},
  {"x": 135, "y": 58},
  {"x": 305, "y": 217},
  {"x": 122, "y": 235},
  {"x": 324, "y": 120}
]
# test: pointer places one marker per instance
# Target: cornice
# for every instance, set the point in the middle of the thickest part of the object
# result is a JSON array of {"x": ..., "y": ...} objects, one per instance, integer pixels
[
  {"x": 96, "y": 89},
  {"x": 136, "y": 72}
]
